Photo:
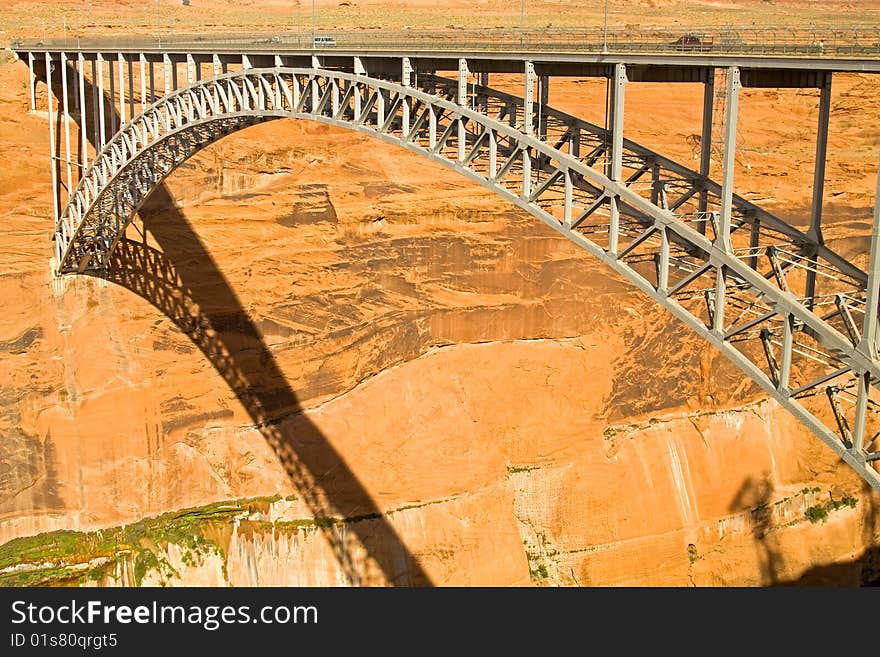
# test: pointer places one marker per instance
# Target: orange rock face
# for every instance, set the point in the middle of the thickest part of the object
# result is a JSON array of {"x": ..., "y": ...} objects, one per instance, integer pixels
[{"x": 447, "y": 379}]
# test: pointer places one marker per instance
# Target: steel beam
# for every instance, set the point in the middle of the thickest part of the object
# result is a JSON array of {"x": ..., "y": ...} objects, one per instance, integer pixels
[
  {"x": 168, "y": 69},
  {"x": 152, "y": 75},
  {"x": 83, "y": 133},
  {"x": 113, "y": 114},
  {"x": 544, "y": 86},
  {"x": 529, "y": 100},
  {"x": 406, "y": 75},
  {"x": 131, "y": 112},
  {"x": 858, "y": 433},
  {"x": 56, "y": 209},
  {"x": 120, "y": 64},
  {"x": 65, "y": 106},
  {"x": 143, "y": 72},
  {"x": 722, "y": 239},
  {"x": 463, "y": 102},
  {"x": 815, "y": 231},
  {"x": 617, "y": 120},
  {"x": 706, "y": 145},
  {"x": 32, "y": 82},
  {"x": 868, "y": 343},
  {"x": 97, "y": 104}
]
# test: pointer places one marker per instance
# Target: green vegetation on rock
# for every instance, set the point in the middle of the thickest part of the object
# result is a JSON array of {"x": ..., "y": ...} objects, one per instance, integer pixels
[
  {"x": 70, "y": 557},
  {"x": 819, "y": 512}
]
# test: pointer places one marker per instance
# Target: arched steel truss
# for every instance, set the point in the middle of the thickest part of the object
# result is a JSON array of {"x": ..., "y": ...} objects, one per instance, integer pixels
[{"x": 774, "y": 300}]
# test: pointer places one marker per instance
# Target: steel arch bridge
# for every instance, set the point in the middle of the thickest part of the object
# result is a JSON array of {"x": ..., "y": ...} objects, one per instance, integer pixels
[{"x": 797, "y": 318}]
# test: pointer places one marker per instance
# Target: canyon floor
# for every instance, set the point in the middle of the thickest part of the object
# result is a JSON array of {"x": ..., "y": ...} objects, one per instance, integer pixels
[{"x": 402, "y": 379}]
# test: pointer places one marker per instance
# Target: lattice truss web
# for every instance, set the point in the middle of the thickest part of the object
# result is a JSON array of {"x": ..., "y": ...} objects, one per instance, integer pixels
[{"x": 788, "y": 311}]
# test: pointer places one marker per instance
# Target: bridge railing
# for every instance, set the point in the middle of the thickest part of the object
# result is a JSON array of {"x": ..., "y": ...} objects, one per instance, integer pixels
[{"x": 842, "y": 41}]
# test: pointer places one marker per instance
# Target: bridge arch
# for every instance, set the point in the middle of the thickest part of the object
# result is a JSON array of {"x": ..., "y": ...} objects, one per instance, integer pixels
[{"x": 682, "y": 260}]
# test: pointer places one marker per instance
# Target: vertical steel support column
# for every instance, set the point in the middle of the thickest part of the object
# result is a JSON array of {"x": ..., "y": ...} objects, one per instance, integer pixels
[
  {"x": 75, "y": 83},
  {"x": 359, "y": 68},
  {"x": 120, "y": 64},
  {"x": 65, "y": 106},
  {"x": 217, "y": 69},
  {"x": 868, "y": 343},
  {"x": 144, "y": 97},
  {"x": 858, "y": 433},
  {"x": 655, "y": 184},
  {"x": 83, "y": 134},
  {"x": 722, "y": 240},
  {"x": 113, "y": 114},
  {"x": 406, "y": 71},
  {"x": 97, "y": 104},
  {"x": 463, "y": 102},
  {"x": 544, "y": 87},
  {"x": 152, "y": 74},
  {"x": 56, "y": 210},
  {"x": 617, "y": 116},
  {"x": 278, "y": 100},
  {"x": 567, "y": 199},
  {"x": 316, "y": 97},
  {"x": 191, "y": 69},
  {"x": 357, "y": 101},
  {"x": 102, "y": 120},
  {"x": 706, "y": 145},
  {"x": 663, "y": 263},
  {"x": 493, "y": 155},
  {"x": 380, "y": 106},
  {"x": 245, "y": 65},
  {"x": 528, "y": 126},
  {"x": 131, "y": 112},
  {"x": 167, "y": 73},
  {"x": 609, "y": 94},
  {"x": 32, "y": 82},
  {"x": 529, "y": 100},
  {"x": 785, "y": 353},
  {"x": 720, "y": 293},
  {"x": 815, "y": 231}
]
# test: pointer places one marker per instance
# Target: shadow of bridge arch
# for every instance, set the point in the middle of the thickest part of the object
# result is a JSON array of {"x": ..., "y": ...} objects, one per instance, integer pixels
[{"x": 183, "y": 281}]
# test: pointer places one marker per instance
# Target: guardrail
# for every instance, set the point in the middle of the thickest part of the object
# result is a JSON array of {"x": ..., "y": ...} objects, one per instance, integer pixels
[{"x": 815, "y": 42}]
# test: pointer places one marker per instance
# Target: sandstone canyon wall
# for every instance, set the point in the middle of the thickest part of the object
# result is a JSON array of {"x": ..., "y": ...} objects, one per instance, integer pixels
[{"x": 471, "y": 392}]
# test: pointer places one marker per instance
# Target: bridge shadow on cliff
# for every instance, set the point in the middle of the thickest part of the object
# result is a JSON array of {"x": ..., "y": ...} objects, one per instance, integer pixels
[
  {"x": 756, "y": 495},
  {"x": 181, "y": 279},
  {"x": 864, "y": 569}
]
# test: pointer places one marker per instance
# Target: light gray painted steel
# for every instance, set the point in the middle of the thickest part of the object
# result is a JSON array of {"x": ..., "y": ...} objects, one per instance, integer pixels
[
  {"x": 618, "y": 105},
  {"x": 722, "y": 240},
  {"x": 120, "y": 65},
  {"x": 868, "y": 343},
  {"x": 56, "y": 209},
  {"x": 32, "y": 82},
  {"x": 815, "y": 231},
  {"x": 83, "y": 133},
  {"x": 102, "y": 120},
  {"x": 143, "y": 75},
  {"x": 65, "y": 106},
  {"x": 529, "y": 109},
  {"x": 706, "y": 141}
]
